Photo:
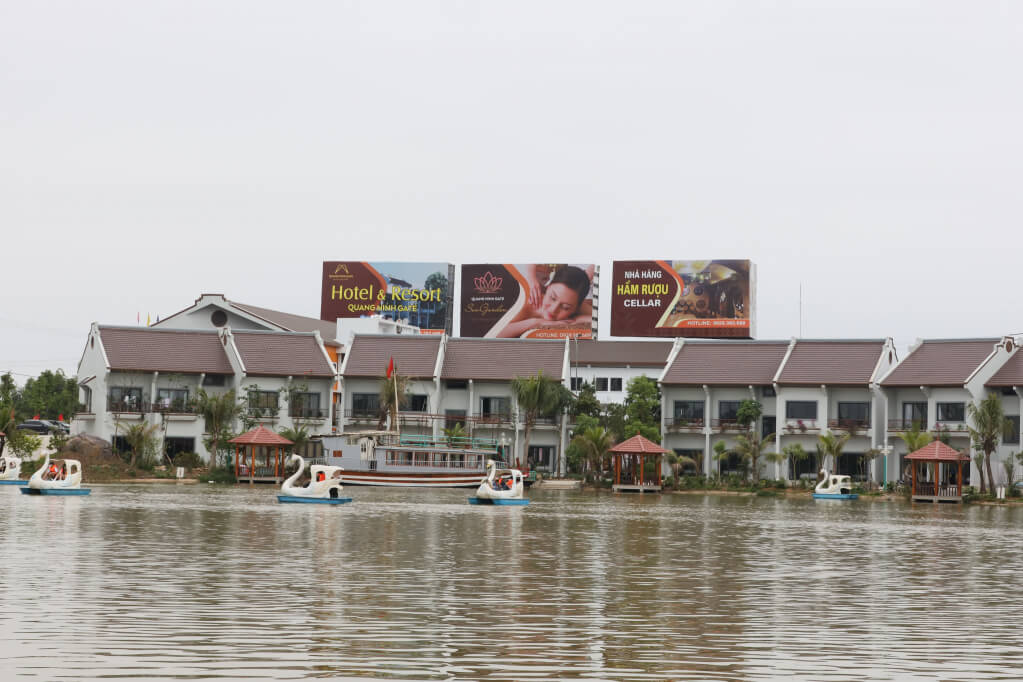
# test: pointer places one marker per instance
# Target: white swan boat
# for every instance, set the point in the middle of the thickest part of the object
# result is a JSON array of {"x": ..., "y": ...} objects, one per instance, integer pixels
[
  {"x": 10, "y": 466},
  {"x": 503, "y": 486},
  {"x": 59, "y": 477},
  {"x": 834, "y": 487},
  {"x": 324, "y": 485}
]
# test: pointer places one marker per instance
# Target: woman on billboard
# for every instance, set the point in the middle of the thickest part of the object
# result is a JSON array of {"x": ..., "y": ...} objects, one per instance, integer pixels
[{"x": 557, "y": 297}]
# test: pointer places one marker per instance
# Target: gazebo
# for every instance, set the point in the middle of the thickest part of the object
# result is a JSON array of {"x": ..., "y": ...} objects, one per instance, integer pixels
[
  {"x": 260, "y": 437},
  {"x": 941, "y": 487},
  {"x": 629, "y": 460}
]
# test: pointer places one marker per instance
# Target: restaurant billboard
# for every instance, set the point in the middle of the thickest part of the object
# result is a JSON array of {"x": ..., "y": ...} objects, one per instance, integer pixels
[
  {"x": 419, "y": 293},
  {"x": 538, "y": 301},
  {"x": 691, "y": 298}
]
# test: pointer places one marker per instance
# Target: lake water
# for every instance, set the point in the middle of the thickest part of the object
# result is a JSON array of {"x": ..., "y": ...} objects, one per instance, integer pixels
[{"x": 217, "y": 582}]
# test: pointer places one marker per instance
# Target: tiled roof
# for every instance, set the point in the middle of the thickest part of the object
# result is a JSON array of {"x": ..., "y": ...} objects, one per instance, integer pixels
[
  {"x": 415, "y": 355},
  {"x": 831, "y": 362},
  {"x": 620, "y": 353},
  {"x": 294, "y": 323},
  {"x": 941, "y": 363},
  {"x": 639, "y": 445},
  {"x": 502, "y": 359},
  {"x": 281, "y": 354},
  {"x": 1011, "y": 373},
  {"x": 143, "y": 349},
  {"x": 739, "y": 363},
  {"x": 936, "y": 450},
  {"x": 260, "y": 436}
]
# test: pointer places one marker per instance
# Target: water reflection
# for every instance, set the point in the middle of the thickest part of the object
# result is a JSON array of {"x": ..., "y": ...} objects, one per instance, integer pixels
[{"x": 165, "y": 582}]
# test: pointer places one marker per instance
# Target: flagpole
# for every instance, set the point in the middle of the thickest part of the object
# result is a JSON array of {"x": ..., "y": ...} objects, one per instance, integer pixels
[{"x": 397, "y": 421}]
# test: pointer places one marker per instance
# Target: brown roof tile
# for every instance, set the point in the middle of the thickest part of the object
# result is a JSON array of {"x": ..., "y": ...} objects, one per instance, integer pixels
[
  {"x": 295, "y": 323},
  {"x": 739, "y": 363},
  {"x": 415, "y": 355},
  {"x": 936, "y": 450},
  {"x": 1011, "y": 373},
  {"x": 502, "y": 359},
  {"x": 281, "y": 354},
  {"x": 164, "y": 350},
  {"x": 260, "y": 436},
  {"x": 638, "y": 444},
  {"x": 831, "y": 362},
  {"x": 941, "y": 363},
  {"x": 620, "y": 353}
]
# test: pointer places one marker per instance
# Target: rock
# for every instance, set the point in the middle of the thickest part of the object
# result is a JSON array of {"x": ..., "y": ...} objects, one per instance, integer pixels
[{"x": 87, "y": 445}]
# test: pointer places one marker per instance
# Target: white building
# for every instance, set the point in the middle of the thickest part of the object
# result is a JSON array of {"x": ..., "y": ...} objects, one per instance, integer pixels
[{"x": 610, "y": 365}]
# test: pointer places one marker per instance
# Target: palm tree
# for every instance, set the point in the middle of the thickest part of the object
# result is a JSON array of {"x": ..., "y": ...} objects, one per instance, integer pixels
[
  {"x": 750, "y": 447},
  {"x": 456, "y": 435},
  {"x": 299, "y": 437},
  {"x": 595, "y": 443},
  {"x": 795, "y": 452},
  {"x": 916, "y": 439},
  {"x": 988, "y": 428},
  {"x": 721, "y": 452},
  {"x": 539, "y": 396},
  {"x": 831, "y": 445},
  {"x": 394, "y": 396},
  {"x": 219, "y": 412},
  {"x": 139, "y": 437}
]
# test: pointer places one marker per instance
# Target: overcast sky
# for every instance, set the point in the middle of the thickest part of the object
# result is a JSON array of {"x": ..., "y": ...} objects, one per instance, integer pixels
[{"x": 152, "y": 151}]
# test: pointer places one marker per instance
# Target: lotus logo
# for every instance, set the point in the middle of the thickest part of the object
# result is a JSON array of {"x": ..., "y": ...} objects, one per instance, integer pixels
[{"x": 488, "y": 284}]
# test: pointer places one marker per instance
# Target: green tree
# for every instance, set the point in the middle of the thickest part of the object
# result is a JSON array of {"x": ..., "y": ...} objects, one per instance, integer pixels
[
  {"x": 456, "y": 435},
  {"x": 50, "y": 395},
  {"x": 721, "y": 453},
  {"x": 677, "y": 461},
  {"x": 831, "y": 445},
  {"x": 9, "y": 396},
  {"x": 299, "y": 437},
  {"x": 795, "y": 453},
  {"x": 750, "y": 448},
  {"x": 643, "y": 409},
  {"x": 585, "y": 402},
  {"x": 914, "y": 440},
  {"x": 538, "y": 396},
  {"x": 748, "y": 413},
  {"x": 394, "y": 396},
  {"x": 141, "y": 438},
  {"x": 594, "y": 443},
  {"x": 989, "y": 424},
  {"x": 219, "y": 412},
  {"x": 613, "y": 419}
]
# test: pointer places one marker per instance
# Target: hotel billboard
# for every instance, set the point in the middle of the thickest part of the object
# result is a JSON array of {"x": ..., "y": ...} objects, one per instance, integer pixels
[
  {"x": 532, "y": 300},
  {"x": 418, "y": 293},
  {"x": 690, "y": 298}
]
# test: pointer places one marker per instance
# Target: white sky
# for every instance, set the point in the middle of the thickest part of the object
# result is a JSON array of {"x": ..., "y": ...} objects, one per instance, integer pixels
[{"x": 152, "y": 151}]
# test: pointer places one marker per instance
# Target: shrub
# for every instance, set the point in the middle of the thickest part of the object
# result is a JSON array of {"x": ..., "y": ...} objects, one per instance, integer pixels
[
  {"x": 189, "y": 460},
  {"x": 218, "y": 476}
]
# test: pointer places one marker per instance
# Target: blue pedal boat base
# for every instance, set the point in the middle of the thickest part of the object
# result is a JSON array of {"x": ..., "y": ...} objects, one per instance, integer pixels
[
  {"x": 313, "y": 500},
  {"x": 835, "y": 496},
  {"x": 25, "y": 482},
  {"x": 56, "y": 491},
  {"x": 509, "y": 503}
]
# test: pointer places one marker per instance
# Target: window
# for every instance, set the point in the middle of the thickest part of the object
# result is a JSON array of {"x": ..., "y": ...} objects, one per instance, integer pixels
[
  {"x": 1011, "y": 429},
  {"x": 577, "y": 383},
  {"x": 452, "y": 417},
  {"x": 418, "y": 403},
  {"x": 915, "y": 413},
  {"x": 616, "y": 384},
  {"x": 305, "y": 405},
  {"x": 213, "y": 380},
  {"x": 768, "y": 425},
  {"x": 541, "y": 457},
  {"x": 601, "y": 383},
  {"x": 767, "y": 391},
  {"x": 494, "y": 407},
  {"x": 87, "y": 398},
  {"x": 951, "y": 412},
  {"x": 688, "y": 409},
  {"x": 728, "y": 409},
  {"x": 801, "y": 409},
  {"x": 176, "y": 446},
  {"x": 365, "y": 404},
  {"x": 125, "y": 397},
  {"x": 263, "y": 402},
  {"x": 456, "y": 384},
  {"x": 854, "y": 412},
  {"x": 175, "y": 398}
]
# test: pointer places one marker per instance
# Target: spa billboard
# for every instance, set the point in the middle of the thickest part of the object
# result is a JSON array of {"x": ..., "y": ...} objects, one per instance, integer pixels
[
  {"x": 536, "y": 301},
  {"x": 419, "y": 293},
  {"x": 691, "y": 298}
]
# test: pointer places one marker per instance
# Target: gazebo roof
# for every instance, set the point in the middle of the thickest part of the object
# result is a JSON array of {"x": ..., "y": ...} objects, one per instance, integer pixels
[
  {"x": 260, "y": 436},
  {"x": 938, "y": 451},
  {"x": 640, "y": 446}
]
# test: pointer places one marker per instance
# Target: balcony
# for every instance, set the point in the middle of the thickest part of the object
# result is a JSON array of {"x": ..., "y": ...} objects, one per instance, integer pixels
[
  {"x": 902, "y": 425},
  {"x": 263, "y": 414},
  {"x": 126, "y": 406},
  {"x": 362, "y": 416},
  {"x": 493, "y": 419},
  {"x": 796, "y": 426},
  {"x": 684, "y": 424},
  {"x": 311, "y": 413},
  {"x": 850, "y": 426},
  {"x": 952, "y": 429},
  {"x": 727, "y": 425}
]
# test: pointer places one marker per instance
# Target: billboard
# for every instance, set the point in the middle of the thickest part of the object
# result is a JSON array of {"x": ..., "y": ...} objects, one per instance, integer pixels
[
  {"x": 538, "y": 301},
  {"x": 419, "y": 293},
  {"x": 694, "y": 298}
]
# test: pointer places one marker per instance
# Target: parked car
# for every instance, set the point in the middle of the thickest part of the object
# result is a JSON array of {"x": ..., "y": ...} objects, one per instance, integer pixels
[
  {"x": 37, "y": 425},
  {"x": 63, "y": 426}
]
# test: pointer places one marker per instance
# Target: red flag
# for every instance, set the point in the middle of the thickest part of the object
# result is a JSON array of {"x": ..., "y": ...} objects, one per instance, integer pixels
[
  {"x": 390, "y": 367},
  {"x": 37, "y": 416},
  {"x": 60, "y": 417}
]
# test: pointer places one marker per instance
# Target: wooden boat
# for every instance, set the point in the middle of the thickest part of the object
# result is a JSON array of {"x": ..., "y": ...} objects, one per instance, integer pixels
[{"x": 834, "y": 487}]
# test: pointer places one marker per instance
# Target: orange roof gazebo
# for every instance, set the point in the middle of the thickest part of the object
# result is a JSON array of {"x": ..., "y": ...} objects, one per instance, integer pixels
[
  {"x": 260, "y": 436},
  {"x": 941, "y": 487},
  {"x": 629, "y": 458}
]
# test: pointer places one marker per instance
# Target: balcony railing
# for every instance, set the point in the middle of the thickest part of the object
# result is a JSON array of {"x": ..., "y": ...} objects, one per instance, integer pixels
[
  {"x": 954, "y": 428},
  {"x": 851, "y": 425},
  {"x": 684, "y": 423},
  {"x": 362, "y": 415},
  {"x": 492, "y": 418},
  {"x": 927, "y": 488},
  {"x": 130, "y": 406},
  {"x": 907, "y": 424},
  {"x": 145, "y": 407},
  {"x": 307, "y": 413},
  {"x": 801, "y": 426},
  {"x": 727, "y": 425}
]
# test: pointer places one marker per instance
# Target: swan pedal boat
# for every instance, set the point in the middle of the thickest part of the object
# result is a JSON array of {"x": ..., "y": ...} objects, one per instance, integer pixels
[
  {"x": 834, "y": 488},
  {"x": 63, "y": 478},
  {"x": 489, "y": 493},
  {"x": 10, "y": 469},
  {"x": 324, "y": 486}
]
